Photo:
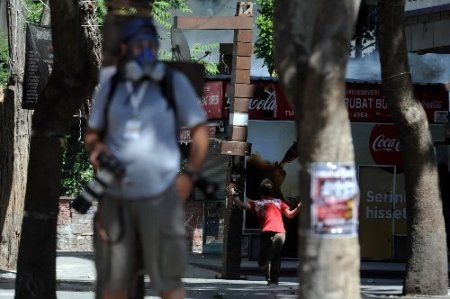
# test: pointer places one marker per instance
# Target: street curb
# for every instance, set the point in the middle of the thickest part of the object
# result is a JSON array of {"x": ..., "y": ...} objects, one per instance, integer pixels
[
  {"x": 365, "y": 296},
  {"x": 245, "y": 270}
]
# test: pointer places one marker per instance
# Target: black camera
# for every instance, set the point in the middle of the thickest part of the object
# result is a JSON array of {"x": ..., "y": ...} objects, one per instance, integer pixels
[
  {"x": 110, "y": 168},
  {"x": 207, "y": 187}
]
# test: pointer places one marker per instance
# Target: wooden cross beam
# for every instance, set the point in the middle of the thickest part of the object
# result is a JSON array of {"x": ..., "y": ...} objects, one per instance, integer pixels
[
  {"x": 213, "y": 23},
  {"x": 239, "y": 90}
]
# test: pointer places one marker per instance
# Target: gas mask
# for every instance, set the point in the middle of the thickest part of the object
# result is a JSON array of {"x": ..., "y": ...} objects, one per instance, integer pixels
[{"x": 144, "y": 65}]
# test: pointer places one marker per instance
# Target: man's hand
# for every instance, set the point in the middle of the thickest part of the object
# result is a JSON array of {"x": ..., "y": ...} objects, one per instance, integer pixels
[
  {"x": 184, "y": 186},
  {"x": 98, "y": 149},
  {"x": 233, "y": 194},
  {"x": 232, "y": 190},
  {"x": 94, "y": 146}
]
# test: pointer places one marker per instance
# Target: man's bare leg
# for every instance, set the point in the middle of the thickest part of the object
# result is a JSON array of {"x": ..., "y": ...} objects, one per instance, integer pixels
[{"x": 173, "y": 294}]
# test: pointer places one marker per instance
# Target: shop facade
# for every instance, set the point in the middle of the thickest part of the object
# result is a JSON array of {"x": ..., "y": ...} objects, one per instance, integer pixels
[{"x": 272, "y": 133}]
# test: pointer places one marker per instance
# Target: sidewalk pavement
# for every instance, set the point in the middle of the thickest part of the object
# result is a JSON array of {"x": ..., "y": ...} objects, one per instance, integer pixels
[
  {"x": 76, "y": 279},
  {"x": 289, "y": 266}
]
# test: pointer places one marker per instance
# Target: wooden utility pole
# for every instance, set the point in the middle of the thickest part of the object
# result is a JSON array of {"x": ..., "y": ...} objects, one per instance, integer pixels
[{"x": 236, "y": 147}]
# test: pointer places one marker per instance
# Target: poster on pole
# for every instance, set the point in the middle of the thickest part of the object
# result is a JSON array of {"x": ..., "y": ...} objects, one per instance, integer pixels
[
  {"x": 335, "y": 199},
  {"x": 38, "y": 63}
]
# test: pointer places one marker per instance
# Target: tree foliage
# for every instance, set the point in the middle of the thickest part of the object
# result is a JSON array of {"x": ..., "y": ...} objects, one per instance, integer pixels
[
  {"x": 201, "y": 51},
  {"x": 4, "y": 60},
  {"x": 264, "y": 43},
  {"x": 77, "y": 171},
  {"x": 101, "y": 12},
  {"x": 33, "y": 11},
  {"x": 162, "y": 11}
]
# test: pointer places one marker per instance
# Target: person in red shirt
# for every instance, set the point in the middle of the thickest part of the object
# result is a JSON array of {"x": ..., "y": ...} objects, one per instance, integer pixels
[{"x": 269, "y": 211}]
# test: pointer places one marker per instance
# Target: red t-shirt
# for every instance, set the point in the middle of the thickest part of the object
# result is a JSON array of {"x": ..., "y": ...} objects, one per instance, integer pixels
[{"x": 269, "y": 212}]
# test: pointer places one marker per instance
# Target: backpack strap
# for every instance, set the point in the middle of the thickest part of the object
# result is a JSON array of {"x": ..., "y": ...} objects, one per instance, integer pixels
[
  {"x": 114, "y": 81},
  {"x": 168, "y": 91}
]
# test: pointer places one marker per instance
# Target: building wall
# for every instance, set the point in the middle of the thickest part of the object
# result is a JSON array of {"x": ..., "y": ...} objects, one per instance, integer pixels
[{"x": 75, "y": 230}]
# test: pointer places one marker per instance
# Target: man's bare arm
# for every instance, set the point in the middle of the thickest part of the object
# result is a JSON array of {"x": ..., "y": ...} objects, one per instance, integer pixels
[
  {"x": 94, "y": 145},
  {"x": 199, "y": 147},
  {"x": 197, "y": 154},
  {"x": 233, "y": 194},
  {"x": 292, "y": 213}
]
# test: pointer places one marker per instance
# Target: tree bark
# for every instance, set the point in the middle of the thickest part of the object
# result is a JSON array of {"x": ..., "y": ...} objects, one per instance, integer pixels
[
  {"x": 15, "y": 131},
  {"x": 427, "y": 268},
  {"x": 311, "y": 50},
  {"x": 233, "y": 217},
  {"x": 72, "y": 80}
]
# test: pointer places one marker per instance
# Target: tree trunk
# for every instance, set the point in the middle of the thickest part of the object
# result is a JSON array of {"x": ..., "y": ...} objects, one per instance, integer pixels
[
  {"x": 233, "y": 217},
  {"x": 15, "y": 130},
  {"x": 72, "y": 80},
  {"x": 312, "y": 44},
  {"x": 426, "y": 272}
]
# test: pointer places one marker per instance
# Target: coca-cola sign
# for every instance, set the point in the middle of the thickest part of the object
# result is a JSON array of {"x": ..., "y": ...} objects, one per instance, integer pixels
[
  {"x": 269, "y": 102},
  {"x": 263, "y": 104},
  {"x": 385, "y": 147}
]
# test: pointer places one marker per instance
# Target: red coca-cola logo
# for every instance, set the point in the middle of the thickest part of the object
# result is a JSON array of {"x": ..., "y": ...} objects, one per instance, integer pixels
[{"x": 385, "y": 147}]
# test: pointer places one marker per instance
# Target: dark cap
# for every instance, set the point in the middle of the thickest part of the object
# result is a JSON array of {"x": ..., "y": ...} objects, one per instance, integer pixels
[{"x": 139, "y": 27}]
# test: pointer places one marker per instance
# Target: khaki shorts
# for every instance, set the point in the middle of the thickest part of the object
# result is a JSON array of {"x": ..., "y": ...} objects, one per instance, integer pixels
[{"x": 150, "y": 227}]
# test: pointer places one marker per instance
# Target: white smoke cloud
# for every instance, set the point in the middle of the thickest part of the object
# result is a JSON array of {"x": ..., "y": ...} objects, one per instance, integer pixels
[{"x": 427, "y": 68}]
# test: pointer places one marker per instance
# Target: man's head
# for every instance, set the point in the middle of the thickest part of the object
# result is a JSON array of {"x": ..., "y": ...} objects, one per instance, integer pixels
[
  {"x": 139, "y": 40},
  {"x": 139, "y": 48},
  {"x": 266, "y": 187}
]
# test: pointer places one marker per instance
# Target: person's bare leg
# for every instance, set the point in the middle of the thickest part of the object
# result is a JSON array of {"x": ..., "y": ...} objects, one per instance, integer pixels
[
  {"x": 119, "y": 294},
  {"x": 173, "y": 294}
]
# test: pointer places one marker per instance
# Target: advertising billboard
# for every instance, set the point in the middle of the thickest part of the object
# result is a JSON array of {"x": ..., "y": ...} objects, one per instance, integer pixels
[{"x": 38, "y": 63}]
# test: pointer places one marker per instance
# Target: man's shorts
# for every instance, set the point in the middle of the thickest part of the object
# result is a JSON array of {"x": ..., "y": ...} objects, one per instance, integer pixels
[{"x": 152, "y": 226}]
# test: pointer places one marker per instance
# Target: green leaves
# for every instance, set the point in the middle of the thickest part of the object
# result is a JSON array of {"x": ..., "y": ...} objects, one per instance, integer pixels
[
  {"x": 33, "y": 11},
  {"x": 264, "y": 43},
  {"x": 101, "y": 12},
  {"x": 4, "y": 60},
  {"x": 77, "y": 171},
  {"x": 162, "y": 11},
  {"x": 199, "y": 51}
]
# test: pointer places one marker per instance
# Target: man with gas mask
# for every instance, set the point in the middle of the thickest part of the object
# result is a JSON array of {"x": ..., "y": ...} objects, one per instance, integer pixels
[{"x": 142, "y": 211}]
